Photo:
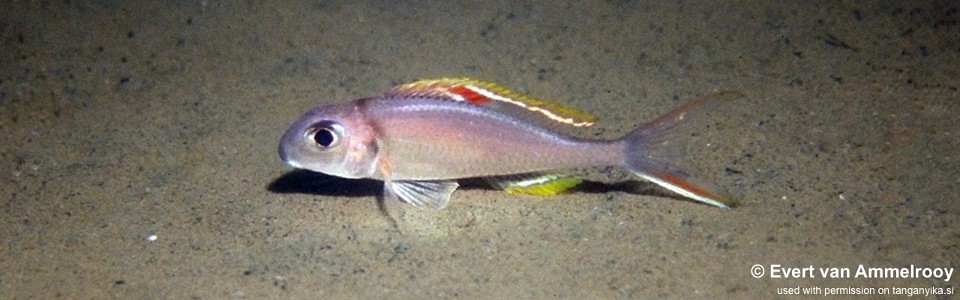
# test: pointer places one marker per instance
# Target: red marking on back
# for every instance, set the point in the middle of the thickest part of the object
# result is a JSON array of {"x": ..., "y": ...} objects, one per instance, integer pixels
[{"x": 469, "y": 95}]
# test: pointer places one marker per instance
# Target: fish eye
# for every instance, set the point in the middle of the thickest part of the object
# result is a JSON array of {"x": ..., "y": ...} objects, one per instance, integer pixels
[
  {"x": 325, "y": 134},
  {"x": 324, "y": 137}
]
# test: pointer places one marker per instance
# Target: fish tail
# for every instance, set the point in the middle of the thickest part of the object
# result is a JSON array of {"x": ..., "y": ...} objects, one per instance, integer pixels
[{"x": 649, "y": 147}]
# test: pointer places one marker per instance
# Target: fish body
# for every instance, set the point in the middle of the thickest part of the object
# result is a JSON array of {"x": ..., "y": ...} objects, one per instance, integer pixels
[{"x": 421, "y": 137}]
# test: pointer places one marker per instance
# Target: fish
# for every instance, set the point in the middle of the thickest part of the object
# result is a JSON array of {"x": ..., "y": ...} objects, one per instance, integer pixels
[{"x": 419, "y": 138}]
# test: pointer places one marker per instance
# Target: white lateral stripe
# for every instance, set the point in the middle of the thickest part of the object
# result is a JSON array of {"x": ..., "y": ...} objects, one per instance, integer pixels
[{"x": 549, "y": 114}]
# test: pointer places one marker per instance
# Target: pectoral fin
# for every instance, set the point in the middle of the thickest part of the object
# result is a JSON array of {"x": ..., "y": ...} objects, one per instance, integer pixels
[{"x": 435, "y": 193}]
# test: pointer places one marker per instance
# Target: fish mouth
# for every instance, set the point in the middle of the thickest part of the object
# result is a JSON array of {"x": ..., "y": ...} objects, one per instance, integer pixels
[
  {"x": 293, "y": 164},
  {"x": 286, "y": 158}
]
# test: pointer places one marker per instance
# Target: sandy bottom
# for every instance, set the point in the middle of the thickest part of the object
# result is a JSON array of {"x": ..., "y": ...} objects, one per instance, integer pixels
[{"x": 139, "y": 149}]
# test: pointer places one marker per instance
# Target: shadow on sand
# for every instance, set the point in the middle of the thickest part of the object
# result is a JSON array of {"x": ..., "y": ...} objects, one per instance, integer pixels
[{"x": 313, "y": 183}]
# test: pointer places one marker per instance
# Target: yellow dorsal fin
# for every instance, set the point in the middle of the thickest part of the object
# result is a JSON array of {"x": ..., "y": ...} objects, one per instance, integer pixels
[{"x": 481, "y": 92}]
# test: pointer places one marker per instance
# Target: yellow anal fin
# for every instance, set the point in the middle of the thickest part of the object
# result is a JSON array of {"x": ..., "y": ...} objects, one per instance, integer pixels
[
  {"x": 536, "y": 184},
  {"x": 481, "y": 92}
]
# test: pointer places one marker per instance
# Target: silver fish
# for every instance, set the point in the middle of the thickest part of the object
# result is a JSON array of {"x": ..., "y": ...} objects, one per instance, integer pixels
[{"x": 419, "y": 138}]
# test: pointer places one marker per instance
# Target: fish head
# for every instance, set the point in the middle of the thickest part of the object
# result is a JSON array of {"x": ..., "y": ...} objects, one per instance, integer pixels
[{"x": 332, "y": 139}]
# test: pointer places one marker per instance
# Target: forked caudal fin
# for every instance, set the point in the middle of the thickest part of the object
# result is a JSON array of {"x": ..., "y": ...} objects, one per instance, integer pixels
[{"x": 642, "y": 161}]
